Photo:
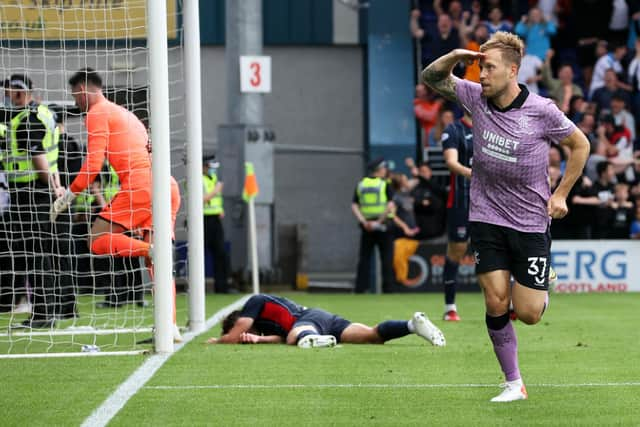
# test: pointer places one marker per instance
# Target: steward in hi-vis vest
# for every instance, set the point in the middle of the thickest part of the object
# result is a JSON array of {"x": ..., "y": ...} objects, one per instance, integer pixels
[
  {"x": 213, "y": 211},
  {"x": 372, "y": 206}
]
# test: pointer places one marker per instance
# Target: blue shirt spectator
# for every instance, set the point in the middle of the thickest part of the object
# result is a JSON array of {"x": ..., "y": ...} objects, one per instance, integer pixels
[
  {"x": 496, "y": 23},
  {"x": 536, "y": 32}
]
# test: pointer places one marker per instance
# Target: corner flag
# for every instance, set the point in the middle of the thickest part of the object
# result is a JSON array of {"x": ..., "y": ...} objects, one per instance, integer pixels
[{"x": 251, "y": 189}]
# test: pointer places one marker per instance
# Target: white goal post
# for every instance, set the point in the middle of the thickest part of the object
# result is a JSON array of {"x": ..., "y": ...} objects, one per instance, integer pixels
[{"x": 58, "y": 298}]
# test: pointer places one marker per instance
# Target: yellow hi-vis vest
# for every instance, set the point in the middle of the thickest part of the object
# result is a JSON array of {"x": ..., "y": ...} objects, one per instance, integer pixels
[
  {"x": 110, "y": 188},
  {"x": 372, "y": 197},
  {"x": 213, "y": 206},
  {"x": 17, "y": 162}
]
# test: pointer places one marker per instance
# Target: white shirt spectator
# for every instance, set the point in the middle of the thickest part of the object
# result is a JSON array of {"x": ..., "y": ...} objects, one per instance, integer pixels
[
  {"x": 625, "y": 118},
  {"x": 604, "y": 63},
  {"x": 620, "y": 15},
  {"x": 547, "y": 7},
  {"x": 529, "y": 67}
]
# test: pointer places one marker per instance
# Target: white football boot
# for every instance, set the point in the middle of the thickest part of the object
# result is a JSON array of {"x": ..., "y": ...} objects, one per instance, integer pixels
[
  {"x": 513, "y": 390},
  {"x": 317, "y": 341},
  {"x": 177, "y": 336},
  {"x": 427, "y": 330}
]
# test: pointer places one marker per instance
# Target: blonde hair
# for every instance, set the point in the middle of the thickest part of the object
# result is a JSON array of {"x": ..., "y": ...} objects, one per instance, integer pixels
[{"x": 510, "y": 45}]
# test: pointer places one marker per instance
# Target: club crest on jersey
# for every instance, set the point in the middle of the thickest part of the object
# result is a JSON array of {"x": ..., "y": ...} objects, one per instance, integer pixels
[{"x": 524, "y": 124}]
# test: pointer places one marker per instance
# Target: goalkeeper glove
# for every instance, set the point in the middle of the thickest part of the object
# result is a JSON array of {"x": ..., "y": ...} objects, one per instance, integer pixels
[{"x": 61, "y": 204}]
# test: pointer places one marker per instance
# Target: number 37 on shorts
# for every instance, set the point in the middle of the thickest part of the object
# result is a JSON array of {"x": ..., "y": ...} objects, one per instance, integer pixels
[{"x": 538, "y": 268}]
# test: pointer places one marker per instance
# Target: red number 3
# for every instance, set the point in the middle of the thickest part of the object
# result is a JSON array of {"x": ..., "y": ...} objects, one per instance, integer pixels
[{"x": 255, "y": 79}]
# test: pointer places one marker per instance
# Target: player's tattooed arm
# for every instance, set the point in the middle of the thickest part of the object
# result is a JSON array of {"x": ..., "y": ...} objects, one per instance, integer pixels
[
  {"x": 438, "y": 75},
  {"x": 442, "y": 82}
]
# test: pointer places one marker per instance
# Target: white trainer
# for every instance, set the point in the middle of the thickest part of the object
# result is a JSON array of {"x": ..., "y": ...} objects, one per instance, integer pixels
[
  {"x": 513, "y": 390},
  {"x": 23, "y": 307},
  {"x": 317, "y": 341},
  {"x": 427, "y": 330},
  {"x": 177, "y": 336}
]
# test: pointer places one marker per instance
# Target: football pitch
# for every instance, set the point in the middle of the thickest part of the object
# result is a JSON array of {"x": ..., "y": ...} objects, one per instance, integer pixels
[{"x": 581, "y": 365}]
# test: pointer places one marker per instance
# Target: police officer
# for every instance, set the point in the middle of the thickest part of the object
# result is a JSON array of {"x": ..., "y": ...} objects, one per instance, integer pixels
[
  {"x": 65, "y": 259},
  {"x": 372, "y": 204},
  {"x": 213, "y": 210},
  {"x": 30, "y": 160}
]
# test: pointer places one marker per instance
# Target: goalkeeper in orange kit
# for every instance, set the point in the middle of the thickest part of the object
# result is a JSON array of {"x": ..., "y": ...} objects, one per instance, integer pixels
[{"x": 117, "y": 135}]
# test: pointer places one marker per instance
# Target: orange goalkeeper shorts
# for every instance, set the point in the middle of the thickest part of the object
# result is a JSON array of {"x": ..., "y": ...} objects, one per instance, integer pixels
[{"x": 132, "y": 208}]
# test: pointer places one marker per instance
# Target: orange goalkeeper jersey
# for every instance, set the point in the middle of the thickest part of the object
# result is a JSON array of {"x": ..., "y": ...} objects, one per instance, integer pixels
[{"x": 119, "y": 136}]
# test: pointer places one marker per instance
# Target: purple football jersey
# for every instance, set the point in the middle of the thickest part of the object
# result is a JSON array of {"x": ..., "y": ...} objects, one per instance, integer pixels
[{"x": 510, "y": 180}]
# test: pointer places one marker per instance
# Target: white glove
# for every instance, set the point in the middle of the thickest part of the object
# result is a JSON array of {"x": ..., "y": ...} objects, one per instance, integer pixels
[{"x": 61, "y": 204}]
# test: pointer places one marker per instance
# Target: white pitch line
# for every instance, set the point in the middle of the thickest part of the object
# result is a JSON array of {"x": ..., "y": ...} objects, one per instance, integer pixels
[
  {"x": 116, "y": 401},
  {"x": 321, "y": 386}
]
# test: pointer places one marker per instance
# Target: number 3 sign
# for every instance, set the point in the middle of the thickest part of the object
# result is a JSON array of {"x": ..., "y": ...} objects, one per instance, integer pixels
[{"x": 255, "y": 74}]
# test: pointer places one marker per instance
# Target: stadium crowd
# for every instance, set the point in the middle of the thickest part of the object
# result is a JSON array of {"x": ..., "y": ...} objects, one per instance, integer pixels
[{"x": 583, "y": 55}]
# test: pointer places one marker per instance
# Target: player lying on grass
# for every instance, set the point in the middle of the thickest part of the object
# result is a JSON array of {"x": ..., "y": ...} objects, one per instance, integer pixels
[{"x": 268, "y": 319}]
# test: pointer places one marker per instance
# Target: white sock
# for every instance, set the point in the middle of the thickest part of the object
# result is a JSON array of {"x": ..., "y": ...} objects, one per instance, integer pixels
[
  {"x": 450, "y": 307},
  {"x": 516, "y": 382},
  {"x": 410, "y": 326}
]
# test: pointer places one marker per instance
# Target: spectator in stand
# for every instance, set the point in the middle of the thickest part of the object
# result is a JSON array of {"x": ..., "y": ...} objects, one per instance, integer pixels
[
  {"x": 620, "y": 113},
  {"x": 620, "y": 213},
  {"x": 635, "y": 224},
  {"x": 404, "y": 221},
  {"x": 590, "y": 21},
  {"x": 619, "y": 22},
  {"x": 447, "y": 38},
  {"x": 577, "y": 108},
  {"x": 557, "y": 158},
  {"x": 634, "y": 78},
  {"x": 472, "y": 35},
  {"x": 562, "y": 89},
  {"x": 606, "y": 62},
  {"x": 429, "y": 204},
  {"x": 530, "y": 72},
  {"x": 445, "y": 118},
  {"x": 435, "y": 45},
  {"x": 604, "y": 189},
  {"x": 602, "y": 96},
  {"x": 581, "y": 202},
  {"x": 426, "y": 107},
  {"x": 587, "y": 126},
  {"x": 454, "y": 10},
  {"x": 619, "y": 148},
  {"x": 496, "y": 23},
  {"x": 599, "y": 154},
  {"x": 549, "y": 8},
  {"x": 536, "y": 31}
]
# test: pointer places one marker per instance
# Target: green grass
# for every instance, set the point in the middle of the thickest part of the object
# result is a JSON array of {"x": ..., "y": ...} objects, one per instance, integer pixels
[{"x": 582, "y": 339}]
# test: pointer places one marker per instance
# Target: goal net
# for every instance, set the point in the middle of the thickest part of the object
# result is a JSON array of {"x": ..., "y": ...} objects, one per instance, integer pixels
[{"x": 56, "y": 296}]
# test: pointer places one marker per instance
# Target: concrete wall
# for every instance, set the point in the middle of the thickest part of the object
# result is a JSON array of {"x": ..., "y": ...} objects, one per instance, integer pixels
[{"x": 317, "y": 100}]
